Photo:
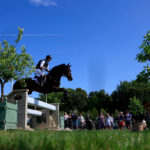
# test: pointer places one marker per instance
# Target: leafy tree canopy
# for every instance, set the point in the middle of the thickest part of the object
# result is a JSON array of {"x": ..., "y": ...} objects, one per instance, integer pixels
[
  {"x": 126, "y": 90},
  {"x": 144, "y": 57},
  {"x": 99, "y": 99},
  {"x": 136, "y": 107},
  {"x": 77, "y": 100},
  {"x": 14, "y": 65}
]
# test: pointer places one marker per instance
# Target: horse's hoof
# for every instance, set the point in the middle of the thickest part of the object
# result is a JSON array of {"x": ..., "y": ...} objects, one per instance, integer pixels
[{"x": 30, "y": 92}]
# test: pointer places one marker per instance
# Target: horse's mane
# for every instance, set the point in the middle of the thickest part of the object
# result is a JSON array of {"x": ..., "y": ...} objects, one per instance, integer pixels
[{"x": 56, "y": 68}]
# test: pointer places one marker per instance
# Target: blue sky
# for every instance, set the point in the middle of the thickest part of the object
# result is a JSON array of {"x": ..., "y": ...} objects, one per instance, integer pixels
[{"x": 99, "y": 38}]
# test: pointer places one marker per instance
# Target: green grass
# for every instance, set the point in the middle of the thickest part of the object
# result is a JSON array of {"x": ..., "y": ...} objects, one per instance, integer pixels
[{"x": 74, "y": 140}]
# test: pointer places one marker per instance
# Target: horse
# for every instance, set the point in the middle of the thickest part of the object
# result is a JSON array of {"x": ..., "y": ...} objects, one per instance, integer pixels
[{"x": 51, "y": 84}]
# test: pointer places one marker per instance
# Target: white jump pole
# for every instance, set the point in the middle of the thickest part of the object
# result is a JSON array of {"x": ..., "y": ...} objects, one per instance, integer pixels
[
  {"x": 34, "y": 112},
  {"x": 41, "y": 104}
]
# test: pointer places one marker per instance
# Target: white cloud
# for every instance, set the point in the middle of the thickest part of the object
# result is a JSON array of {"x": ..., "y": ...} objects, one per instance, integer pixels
[
  {"x": 28, "y": 34},
  {"x": 44, "y": 2}
]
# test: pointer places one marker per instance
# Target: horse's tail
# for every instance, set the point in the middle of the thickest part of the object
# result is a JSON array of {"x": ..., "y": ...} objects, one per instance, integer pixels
[
  {"x": 21, "y": 83},
  {"x": 16, "y": 85},
  {"x": 27, "y": 80}
]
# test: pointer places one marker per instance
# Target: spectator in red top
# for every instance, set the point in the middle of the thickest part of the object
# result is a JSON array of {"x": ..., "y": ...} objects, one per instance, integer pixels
[{"x": 121, "y": 122}]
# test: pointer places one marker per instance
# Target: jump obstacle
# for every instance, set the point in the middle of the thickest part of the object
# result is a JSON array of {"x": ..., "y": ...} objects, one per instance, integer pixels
[{"x": 46, "y": 116}]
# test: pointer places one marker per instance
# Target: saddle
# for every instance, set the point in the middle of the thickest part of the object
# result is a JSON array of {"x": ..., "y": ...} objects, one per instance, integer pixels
[{"x": 40, "y": 80}]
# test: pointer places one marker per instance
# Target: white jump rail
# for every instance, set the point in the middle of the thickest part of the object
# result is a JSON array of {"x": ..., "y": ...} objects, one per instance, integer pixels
[
  {"x": 34, "y": 112},
  {"x": 40, "y": 104}
]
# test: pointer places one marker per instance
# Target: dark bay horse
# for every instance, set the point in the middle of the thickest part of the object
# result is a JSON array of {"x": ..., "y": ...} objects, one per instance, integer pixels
[{"x": 51, "y": 84}]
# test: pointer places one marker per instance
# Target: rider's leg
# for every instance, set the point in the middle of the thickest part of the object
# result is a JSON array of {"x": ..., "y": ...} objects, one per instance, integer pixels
[
  {"x": 39, "y": 76},
  {"x": 42, "y": 79}
]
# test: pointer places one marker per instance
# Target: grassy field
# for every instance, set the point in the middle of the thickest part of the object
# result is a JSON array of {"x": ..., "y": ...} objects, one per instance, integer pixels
[{"x": 74, "y": 140}]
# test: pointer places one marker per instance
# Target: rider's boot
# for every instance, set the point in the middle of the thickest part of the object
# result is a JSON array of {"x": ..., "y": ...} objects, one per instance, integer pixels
[
  {"x": 42, "y": 80},
  {"x": 38, "y": 80}
]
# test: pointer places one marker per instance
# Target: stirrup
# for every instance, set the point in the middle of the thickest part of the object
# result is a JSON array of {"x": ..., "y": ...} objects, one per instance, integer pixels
[
  {"x": 37, "y": 82},
  {"x": 42, "y": 83}
]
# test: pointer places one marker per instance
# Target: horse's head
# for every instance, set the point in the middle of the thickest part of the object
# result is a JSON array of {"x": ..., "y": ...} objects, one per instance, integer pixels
[
  {"x": 67, "y": 72},
  {"x": 61, "y": 70}
]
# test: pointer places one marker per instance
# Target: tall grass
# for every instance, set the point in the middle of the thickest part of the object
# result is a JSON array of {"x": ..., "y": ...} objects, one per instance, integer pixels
[{"x": 74, "y": 140}]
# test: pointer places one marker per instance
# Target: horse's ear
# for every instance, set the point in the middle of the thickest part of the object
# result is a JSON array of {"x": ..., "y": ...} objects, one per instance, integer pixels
[{"x": 69, "y": 65}]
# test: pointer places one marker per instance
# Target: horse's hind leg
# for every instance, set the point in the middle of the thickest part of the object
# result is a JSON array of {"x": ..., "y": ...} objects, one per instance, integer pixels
[{"x": 30, "y": 92}]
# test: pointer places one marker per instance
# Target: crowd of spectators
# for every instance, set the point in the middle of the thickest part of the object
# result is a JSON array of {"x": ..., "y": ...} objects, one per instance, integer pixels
[{"x": 101, "y": 122}]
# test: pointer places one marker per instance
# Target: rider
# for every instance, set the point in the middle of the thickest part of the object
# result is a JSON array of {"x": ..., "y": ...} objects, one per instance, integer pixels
[{"x": 43, "y": 65}]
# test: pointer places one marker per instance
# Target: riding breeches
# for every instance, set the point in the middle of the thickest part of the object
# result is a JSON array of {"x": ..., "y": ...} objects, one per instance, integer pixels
[{"x": 39, "y": 73}]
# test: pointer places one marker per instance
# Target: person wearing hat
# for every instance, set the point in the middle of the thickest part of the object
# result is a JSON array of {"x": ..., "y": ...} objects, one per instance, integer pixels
[{"x": 42, "y": 65}]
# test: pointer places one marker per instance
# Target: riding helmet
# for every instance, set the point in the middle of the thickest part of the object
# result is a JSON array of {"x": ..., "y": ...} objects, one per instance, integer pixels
[{"x": 48, "y": 57}]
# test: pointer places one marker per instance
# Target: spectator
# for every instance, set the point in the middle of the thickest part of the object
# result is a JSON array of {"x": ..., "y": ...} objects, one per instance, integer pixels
[
  {"x": 121, "y": 121},
  {"x": 77, "y": 123},
  {"x": 82, "y": 121},
  {"x": 128, "y": 118},
  {"x": 66, "y": 117},
  {"x": 101, "y": 121},
  {"x": 112, "y": 121},
  {"x": 115, "y": 125},
  {"x": 74, "y": 119},
  {"x": 96, "y": 123},
  {"x": 89, "y": 124},
  {"x": 144, "y": 124},
  {"x": 108, "y": 121},
  {"x": 70, "y": 121}
]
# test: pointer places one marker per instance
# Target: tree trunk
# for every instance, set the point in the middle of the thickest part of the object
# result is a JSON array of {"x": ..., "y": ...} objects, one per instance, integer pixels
[{"x": 2, "y": 92}]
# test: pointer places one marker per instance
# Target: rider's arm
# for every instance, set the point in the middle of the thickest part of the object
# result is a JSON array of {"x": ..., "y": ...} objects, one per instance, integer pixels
[
  {"x": 47, "y": 69},
  {"x": 42, "y": 65}
]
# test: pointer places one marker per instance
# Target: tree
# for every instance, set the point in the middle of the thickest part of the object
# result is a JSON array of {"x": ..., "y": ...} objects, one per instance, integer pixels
[
  {"x": 126, "y": 90},
  {"x": 12, "y": 64},
  {"x": 99, "y": 99},
  {"x": 51, "y": 97},
  {"x": 120, "y": 96},
  {"x": 103, "y": 111},
  {"x": 93, "y": 113},
  {"x": 144, "y": 57},
  {"x": 116, "y": 113},
  {"x": 77, "y": 99},
  {"x": 136, "y": 107}
]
